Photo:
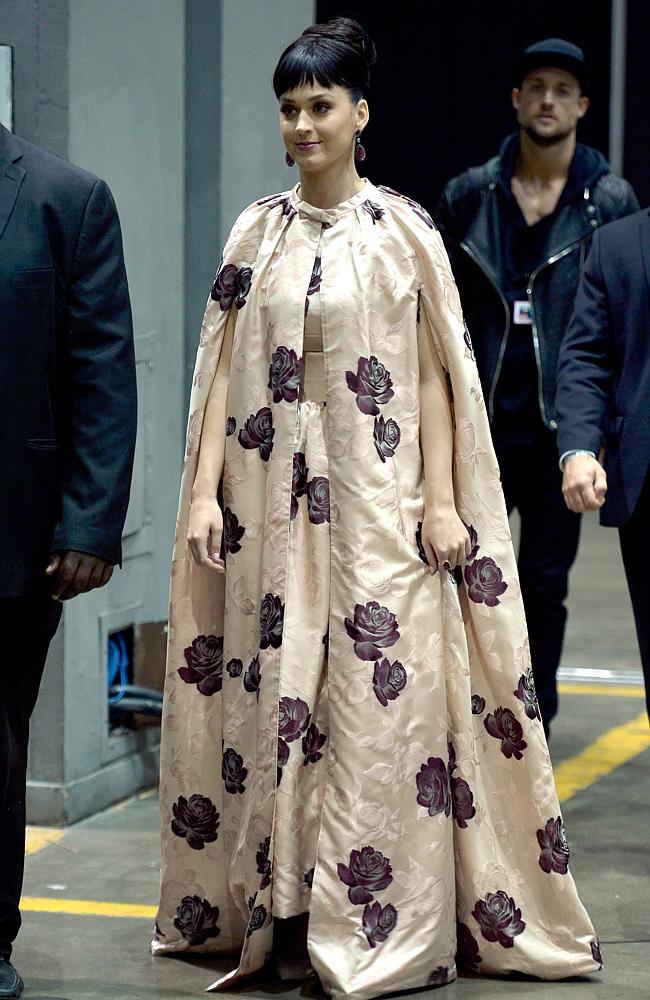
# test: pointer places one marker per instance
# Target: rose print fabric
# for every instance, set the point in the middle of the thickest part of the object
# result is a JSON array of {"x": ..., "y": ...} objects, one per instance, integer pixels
[{"x": 405, "y": 738}]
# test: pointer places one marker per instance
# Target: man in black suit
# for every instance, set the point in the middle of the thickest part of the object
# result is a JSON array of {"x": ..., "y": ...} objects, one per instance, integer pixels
[
  {"x": 603, "y": 402},
  {"x": 67, "y": 435}
]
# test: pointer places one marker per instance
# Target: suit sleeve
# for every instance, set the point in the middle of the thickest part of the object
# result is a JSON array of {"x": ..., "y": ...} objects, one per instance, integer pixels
[
  {"x": 586, "y": 366},
  {"x": 98, "y": 388}
]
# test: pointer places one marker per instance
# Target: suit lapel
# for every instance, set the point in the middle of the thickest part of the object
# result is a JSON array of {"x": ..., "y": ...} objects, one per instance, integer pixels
[
  {"x": 11, "y": 175},
  {"x": 644, "y": 236}
]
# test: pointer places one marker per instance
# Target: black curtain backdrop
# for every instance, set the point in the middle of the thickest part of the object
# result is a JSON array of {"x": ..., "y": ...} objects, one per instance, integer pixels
[{"x": 440, "y": 97}]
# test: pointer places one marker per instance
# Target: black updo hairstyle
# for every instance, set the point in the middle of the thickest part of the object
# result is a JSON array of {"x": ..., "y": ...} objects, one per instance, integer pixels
[{"x": 336, "y": 53}]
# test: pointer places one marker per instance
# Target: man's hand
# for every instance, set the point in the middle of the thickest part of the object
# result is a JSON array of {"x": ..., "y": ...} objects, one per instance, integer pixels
[
  {"x": 76, "y": 573},
  {"x": 585, "y": 484}
]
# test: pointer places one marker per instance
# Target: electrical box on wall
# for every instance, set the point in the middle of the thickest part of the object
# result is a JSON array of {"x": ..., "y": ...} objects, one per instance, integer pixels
[{"x": 6, "y": 87}]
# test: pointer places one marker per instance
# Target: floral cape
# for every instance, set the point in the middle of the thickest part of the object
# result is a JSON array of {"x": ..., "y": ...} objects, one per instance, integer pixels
[{"x": 441, "y": 832}]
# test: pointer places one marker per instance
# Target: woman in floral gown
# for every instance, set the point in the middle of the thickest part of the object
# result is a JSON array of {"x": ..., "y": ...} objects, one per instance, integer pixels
[{"x": 352, "y": 749}]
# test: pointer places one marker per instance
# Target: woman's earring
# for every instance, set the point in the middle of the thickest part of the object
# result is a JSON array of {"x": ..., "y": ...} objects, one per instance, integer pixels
[
  {"x": 359, "y": 151},
  {"x": 289, "y": 160}
]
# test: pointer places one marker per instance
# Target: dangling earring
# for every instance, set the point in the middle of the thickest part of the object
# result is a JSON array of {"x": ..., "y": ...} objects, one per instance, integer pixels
[
  {"x": 359, "y": 151},
  {"x": 289, "y": 160}
]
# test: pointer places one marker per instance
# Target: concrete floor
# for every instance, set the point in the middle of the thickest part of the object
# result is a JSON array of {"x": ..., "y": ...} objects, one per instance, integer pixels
[{"x": 113, "y": 857}]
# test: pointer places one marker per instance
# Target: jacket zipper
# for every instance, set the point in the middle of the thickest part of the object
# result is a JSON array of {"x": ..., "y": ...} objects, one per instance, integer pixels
[{"x": 504, "y": 339}]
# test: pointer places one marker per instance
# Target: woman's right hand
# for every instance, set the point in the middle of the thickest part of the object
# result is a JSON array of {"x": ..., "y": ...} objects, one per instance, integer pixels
[{"x": 204, "y": 533}]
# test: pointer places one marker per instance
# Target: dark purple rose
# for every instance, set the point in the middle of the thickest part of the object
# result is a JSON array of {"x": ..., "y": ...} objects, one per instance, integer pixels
[
  {"x": 233, "y": 772},
  {"x": 374, "y": 210},
  {"x": 284, "y": 375},
  {"x": 467, "y": 948},
  {"x": 234, "y": 668},
  {"x": 258, "y": 432},
  {"x": 257, "y": 920},
  {"x": 439, "y": 976},
  {"x": 388, "y": 680},
  {"x": 554, "y": 855},
  {"x": 318, "y": 500},
  {"x": 433, "y": 787},
  {"x": 468, "y": 341},
  {"x": 596, "y": 953},
  {"x": 372, "y": 385},
  {"x": 526, "y": 694},
  {"x": 271, "y": 622},
  {"x": 378, "y": 922},
  {"x": 231, "y": 426},
  {"x": 312, "y": 743},
  {"x": 283, "y": 756},
  {"x": 197, "y": 920},
  {"x": 485, "y": 582},
  {"x": 264, "y": 864},
  {"x": 299, "y": 474},
  {"x": 232, "y": 532},
  {"x": 478, "y": 704},
  {"x": 273, "y": 201},
  {"x": 204, "y": 660},
  {"x": 499, "y": 918},
  {"x": 368, "y": 872},
  {"x": 418, "y": 541},
  {"x": 504, "y": 726},
  {"x": 473, "y": 538},
  {"x": 308, "y": 879},
  {"x": 386, "y": 436},
  {"x": 196, "y": 820},
  {"x": 316, "y": 276},
  {"x": 293, "y": 718},
  {"x": 374, "y": 626},
  {"x": 419, "y": 211},
  {"x": 462, "y": 802},
  {"x": 326, "y": 642},
  {"x": 232, "y": 284},
  {"x": 252, "y": 677}
]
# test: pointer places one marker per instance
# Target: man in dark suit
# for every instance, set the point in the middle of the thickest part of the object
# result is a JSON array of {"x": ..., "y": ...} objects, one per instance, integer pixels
[
  {"x": 603, "y": 401},
  {"x": 67, "y": 434}
]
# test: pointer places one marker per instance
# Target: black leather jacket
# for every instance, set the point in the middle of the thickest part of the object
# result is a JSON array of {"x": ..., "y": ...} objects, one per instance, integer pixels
[{"x": 471, "y": 215}]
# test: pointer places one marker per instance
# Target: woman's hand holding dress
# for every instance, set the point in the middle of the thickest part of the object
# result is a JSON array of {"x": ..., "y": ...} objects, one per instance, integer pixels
[
  {"x": 445, "y": 538},
  {"x": 204, "y": 533}
]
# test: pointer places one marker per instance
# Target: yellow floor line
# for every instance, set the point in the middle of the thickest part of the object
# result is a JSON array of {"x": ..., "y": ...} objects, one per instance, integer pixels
[
  {"x": 604, "y": 755},
  {"x": 86, "y": 907},
  {"x": 38, "y": 837},
  {"x": 603, "y": 690}
]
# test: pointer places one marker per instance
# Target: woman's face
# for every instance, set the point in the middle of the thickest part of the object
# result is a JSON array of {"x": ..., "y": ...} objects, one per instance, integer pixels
[{"x": 318, "y": 125}]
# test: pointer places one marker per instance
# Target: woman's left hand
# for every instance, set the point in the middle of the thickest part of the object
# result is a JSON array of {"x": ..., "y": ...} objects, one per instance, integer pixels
[{"x": 445, "y": 539}]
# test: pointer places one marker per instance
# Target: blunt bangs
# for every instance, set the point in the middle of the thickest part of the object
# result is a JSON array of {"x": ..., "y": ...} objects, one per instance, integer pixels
[{"x": 325, "y": 62}]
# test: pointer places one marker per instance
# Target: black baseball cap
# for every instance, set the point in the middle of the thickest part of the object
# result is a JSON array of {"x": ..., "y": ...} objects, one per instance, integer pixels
[{"x": 556, "y": 52}]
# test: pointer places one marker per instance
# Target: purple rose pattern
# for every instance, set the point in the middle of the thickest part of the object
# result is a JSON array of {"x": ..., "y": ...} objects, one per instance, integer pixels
[
  {"x": 439, "y": 976},
  {"x": 388, "y": 680},
  {"x": 374, "y": 627},
  {"x": 433, "y": 787},
  {"x": 419, "y": 211},
  {"x": 467, "y": 948},
  {"x": 231, "y": 426},
  {"x": 284, "y": 375},
  {"x": 233, "y": 772},
  {"x": 418, "y": 541},
  {"x": 596, "y": 953},
  {"x": 368, "y": 872},
  {"x": 234, "y": 668},
  {"x": 504, "y": 726},
  {"x": 326, "y": 643},
  {"x": 264, "y": 864},
  {"x": 478, "y": 704},
  {"x": 252, "y": 677},
  {"x": 308, "y": 879},
  {"x": 485, "y": 582},
  {"x": 386, "y": 435},
  {"x": 499, "y": 918},
  {"x": 197, "y": 920},
  {"x": 473, "y": 539},
  {"x": 526, "y": 694},
  {"x": 293, "y": 718},
  {"x": 231, "y": 284},
  {"x": 374, "y": 210},
  {"x": 462, "y": 802},
  {"x": 552, "y": 840},
  {"x": 298, "y": 481},
  {"x": 283, "y": 756},
  {"x": 468, "y": 342},
  {"x": 204, "y": 660},
  {"x": 271, "y": 622},
  {"x": 378, "y": 922},
  {"x": 232, "y": 532},
  {"x": 257, "y": 920},
  {"x": 318, "y": 500},
  {"x": 314, "y": 282},
  {"x": 372, "y": 385},
  {"x": 258, "y": 432},
  {"x": 196, "y": 820},
  {"x": 273, "y": 201},
  {"x": 312, "y": 743}
]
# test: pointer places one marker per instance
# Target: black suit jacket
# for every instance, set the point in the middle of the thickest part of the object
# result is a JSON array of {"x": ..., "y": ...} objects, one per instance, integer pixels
[
  {"x": 67, "y": 367},
  {"x": 603, "y": 394}
]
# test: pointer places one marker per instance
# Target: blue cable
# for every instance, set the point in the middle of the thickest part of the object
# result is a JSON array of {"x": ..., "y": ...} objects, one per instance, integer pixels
[{"x": 118, "y": 664}]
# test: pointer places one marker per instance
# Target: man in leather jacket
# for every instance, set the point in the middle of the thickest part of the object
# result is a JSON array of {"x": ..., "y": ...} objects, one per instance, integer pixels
[{"x": 517, "y": 230}]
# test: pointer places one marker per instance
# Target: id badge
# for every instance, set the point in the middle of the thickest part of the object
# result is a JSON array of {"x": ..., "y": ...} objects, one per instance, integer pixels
[{"x": 523, "y": 314}]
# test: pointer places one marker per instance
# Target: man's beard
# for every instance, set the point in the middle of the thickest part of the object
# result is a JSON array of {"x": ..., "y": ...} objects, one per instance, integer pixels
[{"x": 545, "y": 141}]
